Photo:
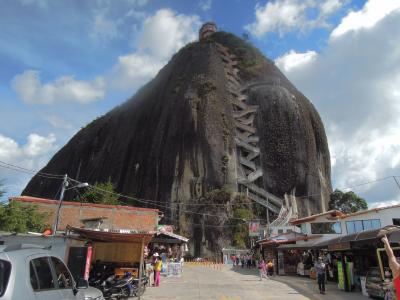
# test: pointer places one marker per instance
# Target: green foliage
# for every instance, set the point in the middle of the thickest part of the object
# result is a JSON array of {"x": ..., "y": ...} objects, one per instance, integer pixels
[
  {"x": 241, "y": 213},
  {"x": 241, "y": 230},
  {"x": 206, "y": 88},
  {"x": 2, "y": 190},
  {"x": 347, "y": 202},
  {"x": 15, "y": 217},
  {"x": 102, "y": 193},
  {"x": 218, "y": 196}
]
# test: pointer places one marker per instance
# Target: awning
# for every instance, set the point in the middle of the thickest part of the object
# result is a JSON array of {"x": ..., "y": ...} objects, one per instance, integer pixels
[
  {"x": 303, "y": 246},
  {"x": 104, "y": 235},
  {"x": 169, "y": 237},
  {"x": 285, "y": 238},
  {"x": 345, "y": 242}
]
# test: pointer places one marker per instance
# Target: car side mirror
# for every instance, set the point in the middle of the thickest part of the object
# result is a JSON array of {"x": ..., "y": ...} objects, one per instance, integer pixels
[{"x": 82, "y": 283}]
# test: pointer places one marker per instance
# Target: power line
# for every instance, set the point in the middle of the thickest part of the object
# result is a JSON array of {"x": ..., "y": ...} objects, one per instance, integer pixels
[
  {"x": 150, "y": 202},
  {"x": 28, "y": 171},
  {"x": 147, "y": 202}
]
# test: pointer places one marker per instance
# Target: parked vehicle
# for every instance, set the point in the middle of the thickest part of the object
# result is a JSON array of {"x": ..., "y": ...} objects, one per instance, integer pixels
[
  {"x": 32, "y": 272},
  {"x": 122, "y": 288},
  {"x": 375, "y": 286}
]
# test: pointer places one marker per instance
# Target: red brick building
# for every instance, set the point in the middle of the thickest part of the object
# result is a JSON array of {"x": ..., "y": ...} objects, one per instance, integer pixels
[{"x": 113, "y": 216}]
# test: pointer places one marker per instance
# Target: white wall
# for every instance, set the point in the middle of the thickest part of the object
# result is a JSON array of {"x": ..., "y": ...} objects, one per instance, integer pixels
[{"x": 385, "y": 216}]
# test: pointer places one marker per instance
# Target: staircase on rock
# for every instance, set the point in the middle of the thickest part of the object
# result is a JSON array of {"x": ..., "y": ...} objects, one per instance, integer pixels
[{"x": 249, "y": 171}]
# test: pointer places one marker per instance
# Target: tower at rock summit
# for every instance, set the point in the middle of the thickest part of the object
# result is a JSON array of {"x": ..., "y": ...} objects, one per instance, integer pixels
[{"x": 218, "y": 115}]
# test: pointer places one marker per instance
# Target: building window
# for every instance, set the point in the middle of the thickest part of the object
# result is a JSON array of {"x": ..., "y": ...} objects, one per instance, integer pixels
[
  {"x": 303, "y": 228},
  {"x": 326, "y": 228},
  {"x": 360, "y": 225},
  {"x": 396, "y": 222},
  {"x": 280, "y": 231}
]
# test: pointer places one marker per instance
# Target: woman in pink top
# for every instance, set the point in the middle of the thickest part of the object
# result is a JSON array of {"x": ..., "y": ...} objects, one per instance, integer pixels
[{"x": 394, "y": 266}]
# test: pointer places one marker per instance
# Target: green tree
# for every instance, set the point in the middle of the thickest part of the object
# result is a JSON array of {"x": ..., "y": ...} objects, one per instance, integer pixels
[
  {"x": 241, "y": 230},
  {"x": 347, "y": 202},
  {"x": 241, "y": 212},
  {"x": 102, "y": 193},
  {"x": 16, "y": 217},
  {"x": 2, "y": 190}
]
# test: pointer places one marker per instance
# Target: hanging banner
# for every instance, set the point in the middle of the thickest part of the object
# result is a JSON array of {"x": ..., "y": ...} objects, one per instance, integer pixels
[
  {"x": 88, "y": 261},
  {"x": 254, "y": 228}
]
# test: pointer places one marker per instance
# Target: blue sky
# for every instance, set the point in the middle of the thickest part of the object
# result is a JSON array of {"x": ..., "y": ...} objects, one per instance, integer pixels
[{"x": 63, "y": 63}]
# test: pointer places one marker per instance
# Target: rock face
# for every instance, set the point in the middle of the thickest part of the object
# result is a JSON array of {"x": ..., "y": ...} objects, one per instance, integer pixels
[{"x": 218, "y": 114}]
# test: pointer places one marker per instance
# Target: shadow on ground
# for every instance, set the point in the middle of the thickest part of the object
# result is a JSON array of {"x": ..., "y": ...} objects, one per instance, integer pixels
[{"x": 302, "y": 285}]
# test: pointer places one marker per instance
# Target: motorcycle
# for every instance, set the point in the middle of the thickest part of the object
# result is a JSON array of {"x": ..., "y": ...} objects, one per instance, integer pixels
[{"x": 122, "y": 288}]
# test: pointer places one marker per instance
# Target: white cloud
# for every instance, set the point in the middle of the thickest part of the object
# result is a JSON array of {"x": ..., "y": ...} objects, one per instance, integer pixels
[
  {"x": 355, "y": 85},
  {"x": 166, "y": 32},
  {"x": 39, "y": 3},
  {"x": 294, "y": 59},
  {"x": 57, "y": 122},
  {"x": 384, "y": 203},
  {"x": 161, "y": 35},
  {"x": 372, "y": 12},
  {"x": 330, "y": 6},
  {"x": 283, "y": 16},
  {"x": 205, "y": 5},
  {"x": 65, "y": 88},
  {"x": 103, "y": 29},
  {"x": 36, "y": 145},
  {"x": 133, "y": 70},
  {"x": 138, "y": 2},
  {"x": 33, "y": 155}
]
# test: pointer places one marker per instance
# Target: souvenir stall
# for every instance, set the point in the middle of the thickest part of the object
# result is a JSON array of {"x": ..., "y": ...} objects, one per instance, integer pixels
[{"x": 171, "y": 248}]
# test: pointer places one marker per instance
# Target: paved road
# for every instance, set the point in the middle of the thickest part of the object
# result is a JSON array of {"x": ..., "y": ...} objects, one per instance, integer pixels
[{"x": 205, "y": 283}]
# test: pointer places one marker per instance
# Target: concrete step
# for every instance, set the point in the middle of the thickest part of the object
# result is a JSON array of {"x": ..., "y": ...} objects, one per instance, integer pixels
[
  {"x": 250, "y": 110},
  {"x": 261, "y": 192},
  {"x": 253, "y": 176},
  {"x": 248, "y": 138},
  {"x": 239, "y": 104},
  {"x": 246, "y": 146},
  {"x": 263, "y": 202},
  {"x": 247, "y": 163},
  {"x": 252, "y": 156},
  {"x": 245, "y": 127},
  {"x": 246, "y": 121}
]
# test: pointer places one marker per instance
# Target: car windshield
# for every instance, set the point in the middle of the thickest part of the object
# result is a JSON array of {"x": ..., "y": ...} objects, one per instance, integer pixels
[{"x": 5, "y": 270}]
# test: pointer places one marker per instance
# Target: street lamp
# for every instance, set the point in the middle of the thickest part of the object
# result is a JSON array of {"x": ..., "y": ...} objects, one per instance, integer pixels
[{"x": 64, "y": 187}]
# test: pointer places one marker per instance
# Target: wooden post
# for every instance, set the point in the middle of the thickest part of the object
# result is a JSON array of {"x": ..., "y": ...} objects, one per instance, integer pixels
[{"x": 140, "y": 266}]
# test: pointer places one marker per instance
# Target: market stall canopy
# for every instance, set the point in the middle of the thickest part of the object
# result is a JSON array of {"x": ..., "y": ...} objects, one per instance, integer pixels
[
  {"x": 286, "y": 238},
  {"x": 113, "y": 235},
  {"x": 345, "y": 242},
  {"x": 169, "y": 237}
]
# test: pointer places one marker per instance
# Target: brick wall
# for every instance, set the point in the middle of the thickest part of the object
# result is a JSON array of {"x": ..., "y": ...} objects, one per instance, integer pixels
[{"x": 117, "y": 216}]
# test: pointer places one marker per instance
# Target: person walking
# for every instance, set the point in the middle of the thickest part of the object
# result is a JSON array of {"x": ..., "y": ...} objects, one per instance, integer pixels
[
  {"x": 270, "y": 268},
  {"x": 393, "y": 264},
  {"x": 262, "y": 269},
  {"x": 157, "y": 269},
  {"x": 320, "y": 268}
]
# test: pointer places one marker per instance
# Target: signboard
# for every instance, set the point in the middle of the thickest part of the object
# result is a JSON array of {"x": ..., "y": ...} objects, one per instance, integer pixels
[
  {"x": 254, "y": 228},
  {"x": 166, "y": 228},
  {"x": 339, "y": 246},
  {"x": 174, "y": 269}
]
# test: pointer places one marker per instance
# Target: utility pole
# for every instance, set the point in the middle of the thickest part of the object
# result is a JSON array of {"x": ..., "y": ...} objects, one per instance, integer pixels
[{"x": 57, "y": 219}]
